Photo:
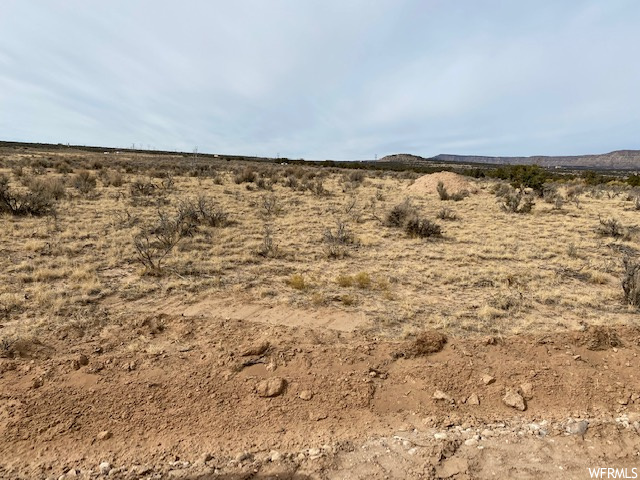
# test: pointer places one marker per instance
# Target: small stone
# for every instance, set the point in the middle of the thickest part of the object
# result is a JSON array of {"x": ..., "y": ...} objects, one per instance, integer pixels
[
  {"x": 526, "y": 389},
  {"x": 514, "y": 400},
  {"x": 577, "y": 357},
  {"x": 275, "y": 456},
  {"x": 205, "y": 457},
  {"x": 141, "y": 470},
  {"x": 104, "y": 435},
  {"x": 317, "y": 416},
  {"x": 440, "y": 395},
  {"x": 488, "y": 379},
  {"x": 105, "y": 468},
  {"x": 242, "y": 456},
  {"x": 473, "y": 399},
  {"x": 578, "y": 428},
  {"x": 180, "y": 474},
  {"x": 37, "y": 382},
  {"x": 440, "y": 436},
  {"x": 486, "y": 433},
  {"x": 256, "y": 349},
  {"x": 471, "y": 442},
  {"x": 306, "y": 395},
  {"x": 83, "y": 360},
  {"x": 271, "y": 388},
  {"x": 315, "y": 453}
]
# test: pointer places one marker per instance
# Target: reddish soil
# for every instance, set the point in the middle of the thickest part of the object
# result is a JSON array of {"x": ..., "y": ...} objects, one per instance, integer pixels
[{"x": 353, "y": 406}]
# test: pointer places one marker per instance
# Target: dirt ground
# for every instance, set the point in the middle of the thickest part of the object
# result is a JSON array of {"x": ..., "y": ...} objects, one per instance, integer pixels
[
  {"x": 502, "y": 351},
  {"x": 191, "y": 404}
]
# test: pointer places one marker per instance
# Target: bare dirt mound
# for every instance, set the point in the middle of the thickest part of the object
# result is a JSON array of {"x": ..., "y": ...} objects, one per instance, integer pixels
[{"x": 453, "y": 182}]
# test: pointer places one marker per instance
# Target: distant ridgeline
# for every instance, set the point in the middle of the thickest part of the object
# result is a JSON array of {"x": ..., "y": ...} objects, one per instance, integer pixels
[{"x": 618, "y": 160}]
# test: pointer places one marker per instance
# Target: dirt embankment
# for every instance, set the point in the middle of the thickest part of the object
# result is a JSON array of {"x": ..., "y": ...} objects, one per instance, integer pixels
[{"x": 186, "y": 397}]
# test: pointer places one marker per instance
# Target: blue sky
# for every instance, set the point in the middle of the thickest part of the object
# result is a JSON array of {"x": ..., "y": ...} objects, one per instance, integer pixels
[{"x": 323, "y": 79}]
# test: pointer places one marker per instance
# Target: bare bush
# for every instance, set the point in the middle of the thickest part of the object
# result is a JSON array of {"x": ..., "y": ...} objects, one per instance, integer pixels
[
  {"x": 445, "y": 195},
  {"x": 399, "y": 214},
  {"x": 270, "y": 205},
  {"x": 336, "y": 243},
  {"x": 202, "y": 211},
  {"x": 142, "y": 188},
  {"x": 268, "y": 247},
  {"x": 49, "y": 187},
  {"x": 447, "y": 214},
  {"x": 153, "y": 244},
  {"x": 631, "y": 281},
  {"x": 517, "y": 202},
  {"x": 610, "y": 227},
  {"x": 84, "y": 181},
  {"x": 111, "y": 178},
  {"x": 36, "y": 203},
  {"x": 422, "y": 228},
  {"x": 247, "y": 175}
]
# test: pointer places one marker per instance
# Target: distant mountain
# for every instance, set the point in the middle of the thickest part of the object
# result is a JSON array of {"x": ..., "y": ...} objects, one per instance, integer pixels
[{"x": 620, "y": 159}]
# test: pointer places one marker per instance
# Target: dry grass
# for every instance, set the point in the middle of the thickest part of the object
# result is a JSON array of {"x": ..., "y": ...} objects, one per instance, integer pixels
[{"x": 492, "y": 271}]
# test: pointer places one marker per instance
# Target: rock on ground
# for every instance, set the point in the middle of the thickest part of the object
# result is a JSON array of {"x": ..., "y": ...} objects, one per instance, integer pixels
[
  {"x": 514, "y": 400},
  {"x": 272, "y": 387}
]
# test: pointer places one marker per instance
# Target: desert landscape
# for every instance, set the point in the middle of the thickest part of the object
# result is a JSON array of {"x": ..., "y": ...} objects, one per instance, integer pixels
[{"x": 176, "y": 316}]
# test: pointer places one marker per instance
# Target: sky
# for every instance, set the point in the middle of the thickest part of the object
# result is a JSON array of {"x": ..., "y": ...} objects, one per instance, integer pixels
[{"x": 323, "y": 79}]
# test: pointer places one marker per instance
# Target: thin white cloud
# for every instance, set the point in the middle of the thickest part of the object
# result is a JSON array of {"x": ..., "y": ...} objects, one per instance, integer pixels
[{"x": 326, "y": 79}]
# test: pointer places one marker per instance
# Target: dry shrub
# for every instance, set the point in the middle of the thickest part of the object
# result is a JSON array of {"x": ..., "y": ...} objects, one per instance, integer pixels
[
  {"x": 111, "y": 178},
  {"x": 203, "y": 211},
  {"x": 601, "y": 338},
  {"x": 517, "y": 202},
  {"x": 363, "y": 280},
  {"x": 297, "y": 282},
  {"x": 247, "y": 175},
  {"x": 336, "y": 243},
  {"x": 426, "y": 343},
  {"x": 399, "y": 214},
  {"x": 51, "y": 187},
  {"x": 422, "y": 228},
  {"x": 446, "y": 214},
  {"x": 444, "y": 195},
  {"x": 84, "y": 182},
  {"x": 268, "y": 247},
  {"x": 345, "y": 280},
  {"x": 610, "y": 227},
  {"x": 631, "y": 282},
  {"x": 19, "y": 204},
  {"x": 142, "y": 188}
]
